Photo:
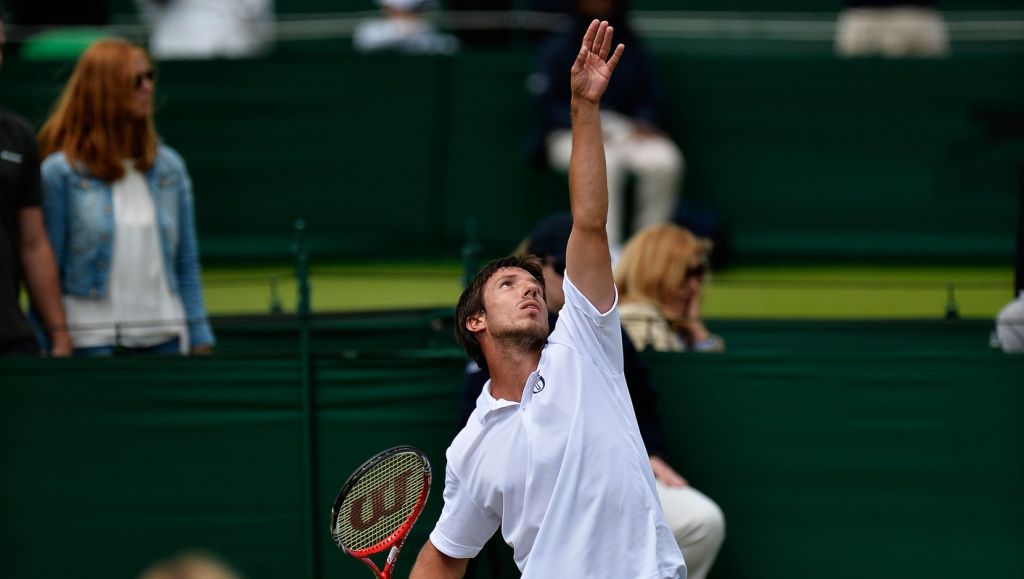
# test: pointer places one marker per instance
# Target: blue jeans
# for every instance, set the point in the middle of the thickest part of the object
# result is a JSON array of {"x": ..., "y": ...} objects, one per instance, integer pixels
[{"x": 170, "y": 347}]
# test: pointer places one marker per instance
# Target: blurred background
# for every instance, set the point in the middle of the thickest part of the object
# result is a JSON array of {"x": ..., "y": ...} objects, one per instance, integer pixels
[{"x": 862, "y": 196}]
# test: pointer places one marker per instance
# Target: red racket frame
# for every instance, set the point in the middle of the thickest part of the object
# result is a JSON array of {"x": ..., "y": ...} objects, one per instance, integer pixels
[{"x": 397, "y": 538}]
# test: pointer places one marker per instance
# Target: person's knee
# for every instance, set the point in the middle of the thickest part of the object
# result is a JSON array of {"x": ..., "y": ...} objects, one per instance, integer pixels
[{"x": 713, "y": 522}]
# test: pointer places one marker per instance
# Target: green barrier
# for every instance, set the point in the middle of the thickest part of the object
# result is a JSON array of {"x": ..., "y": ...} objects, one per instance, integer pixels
[
  {"x": 834, "y": 449},
  {"x": 112, "y": 464}
]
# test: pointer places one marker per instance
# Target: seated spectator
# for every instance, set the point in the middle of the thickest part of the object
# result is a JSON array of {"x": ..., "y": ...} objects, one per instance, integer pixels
[
  {"x": 892, "y": 29},
  {"x": 1009, "y": 332},
  {"x": 634, "y": 142},
  {"x": 191, "y": 29},
  {"x": 190, "y": 565},
  {"x": 660, "y": 277},
  {"x": 696, "y": 521},
  {"x": 1010, "y": 326},
  {"x": 24, "y": 249},
  {"x": 117, "y": 206},
  {"x": 403, "y": 28}
]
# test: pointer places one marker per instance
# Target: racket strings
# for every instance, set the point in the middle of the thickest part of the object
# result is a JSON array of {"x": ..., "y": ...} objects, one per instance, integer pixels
[{"x": 380, "y": 502}]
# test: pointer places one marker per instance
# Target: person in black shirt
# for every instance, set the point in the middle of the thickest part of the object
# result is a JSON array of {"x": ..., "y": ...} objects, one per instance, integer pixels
[{"x": 24, "y": 249}]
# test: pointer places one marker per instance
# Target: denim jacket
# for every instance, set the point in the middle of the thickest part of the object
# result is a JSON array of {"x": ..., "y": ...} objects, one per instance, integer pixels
[{"x": 78, "y": 211}]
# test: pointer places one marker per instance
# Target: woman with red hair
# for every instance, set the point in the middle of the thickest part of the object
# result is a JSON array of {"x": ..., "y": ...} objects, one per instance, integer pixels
[{"x": 118, "y": 211}]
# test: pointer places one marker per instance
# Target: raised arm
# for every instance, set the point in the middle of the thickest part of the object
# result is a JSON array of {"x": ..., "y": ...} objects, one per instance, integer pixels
[{"x": 587, "y": 258}]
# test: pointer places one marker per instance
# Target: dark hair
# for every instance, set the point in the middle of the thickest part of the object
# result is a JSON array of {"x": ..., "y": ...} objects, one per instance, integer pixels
[{"x": 472, "y": 300}]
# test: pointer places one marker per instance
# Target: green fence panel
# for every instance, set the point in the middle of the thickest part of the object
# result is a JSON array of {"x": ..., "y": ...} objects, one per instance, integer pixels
[
  {"x": 832, "y": 450},
  {"x": 891, "y": 464},
  {"x": 367, "y": 405},
  {"x": 109, "y": 465}
]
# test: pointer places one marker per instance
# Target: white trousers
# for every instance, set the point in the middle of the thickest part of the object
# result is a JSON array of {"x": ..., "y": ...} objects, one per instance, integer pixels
[
  {"x": 698, "y": 525},
  {"x": 892, "y": 32},
  {"x": 655, "y": 161}
]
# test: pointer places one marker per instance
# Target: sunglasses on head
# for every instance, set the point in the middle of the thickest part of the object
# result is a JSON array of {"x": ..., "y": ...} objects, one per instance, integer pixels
[{"x": 142, "y": 77}]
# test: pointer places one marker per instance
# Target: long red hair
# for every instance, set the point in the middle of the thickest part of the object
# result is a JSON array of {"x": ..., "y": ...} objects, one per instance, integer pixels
[{"x": 91, "y": 123}]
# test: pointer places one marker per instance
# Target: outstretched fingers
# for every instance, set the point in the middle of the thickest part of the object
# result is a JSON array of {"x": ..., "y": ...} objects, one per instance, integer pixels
[
  {"x": 581, "y": 61},
  {"x": 588, "y": 38},
  {"x": 606, "y": 42},
  {"x": 599, "y": 39},
  {"x": 614, "y": 60}
]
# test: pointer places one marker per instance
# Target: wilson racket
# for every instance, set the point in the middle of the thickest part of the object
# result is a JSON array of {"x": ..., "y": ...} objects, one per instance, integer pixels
[{"x": 379, "y": 504}]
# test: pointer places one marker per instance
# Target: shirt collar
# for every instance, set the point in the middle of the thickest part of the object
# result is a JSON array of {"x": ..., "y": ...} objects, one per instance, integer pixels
[{"x": 486, "y": 404}]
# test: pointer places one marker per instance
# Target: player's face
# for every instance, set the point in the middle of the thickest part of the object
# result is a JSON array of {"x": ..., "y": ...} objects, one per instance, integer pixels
[{"x": 515, "y": 305}]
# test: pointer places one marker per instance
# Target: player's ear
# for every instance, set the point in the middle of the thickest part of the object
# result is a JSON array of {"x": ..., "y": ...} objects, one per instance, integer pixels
[{"x": 477, "y": 322}]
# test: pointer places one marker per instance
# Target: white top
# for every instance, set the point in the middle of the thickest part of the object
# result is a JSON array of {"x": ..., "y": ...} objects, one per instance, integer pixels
[
  {"x": 413, "y": 36},
  {"x": 138, "y": 301},
  {"x": 198, "y": 29},
  {"x": 564, "y": 472}
]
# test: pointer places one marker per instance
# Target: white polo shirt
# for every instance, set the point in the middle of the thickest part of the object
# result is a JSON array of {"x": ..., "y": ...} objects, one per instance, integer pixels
[{"x": 564, "y": 472}]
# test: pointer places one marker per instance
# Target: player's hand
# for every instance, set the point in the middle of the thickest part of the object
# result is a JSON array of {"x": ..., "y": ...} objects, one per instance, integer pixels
[
  {"x": 593, "y": 68},
  {"x": 665, "y": 474}
]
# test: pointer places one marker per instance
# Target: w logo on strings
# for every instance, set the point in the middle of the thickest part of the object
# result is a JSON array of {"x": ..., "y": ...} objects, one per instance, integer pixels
[{"x": 395, "y": 489}]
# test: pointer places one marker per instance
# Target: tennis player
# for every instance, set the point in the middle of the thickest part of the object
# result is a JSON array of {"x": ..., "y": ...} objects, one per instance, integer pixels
[{"x": 552, "y": 454}]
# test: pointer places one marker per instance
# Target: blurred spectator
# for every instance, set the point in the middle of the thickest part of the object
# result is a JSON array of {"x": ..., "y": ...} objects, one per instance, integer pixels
[
  {"x": 193, "y": 29},
  {"x": 190, "y": 565},
  {"x": 1010, "y": 321},
  {"x": 696, "y": 521},
  {"x": 660, "y": 277},
  {"x": 402, "y": 27},
  {"x": 634, "y": 141},
  {"x": 24, "y": 249},
  {"x": 118, "y": 209},
  {"x": 1010, "y": 326},
  {"x": 892, "y": 28}
]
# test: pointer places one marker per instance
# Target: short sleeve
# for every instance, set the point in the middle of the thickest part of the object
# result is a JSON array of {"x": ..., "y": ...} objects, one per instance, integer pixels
[
  {"x": 596, "y": 336},
  {"x": 464, "y": 527}
]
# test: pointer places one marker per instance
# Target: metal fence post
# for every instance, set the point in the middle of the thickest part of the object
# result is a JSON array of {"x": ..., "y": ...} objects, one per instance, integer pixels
[{"x": 304, "y": 316}]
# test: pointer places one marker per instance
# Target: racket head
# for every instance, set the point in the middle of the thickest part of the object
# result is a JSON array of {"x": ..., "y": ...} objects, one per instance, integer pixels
[{"x": 380, "y": 501}]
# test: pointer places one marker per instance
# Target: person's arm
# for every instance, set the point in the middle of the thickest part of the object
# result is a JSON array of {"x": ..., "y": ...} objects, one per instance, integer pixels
[
  {"x": 588, "y": 261},
  {"x": 433, "y": 564},
  {"x": 187, "y": 267},
  {"x": 42, "y": 280}
]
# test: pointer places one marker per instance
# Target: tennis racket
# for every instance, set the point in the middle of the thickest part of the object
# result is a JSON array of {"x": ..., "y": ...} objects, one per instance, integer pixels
[{"x": 379, "y": 504}]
